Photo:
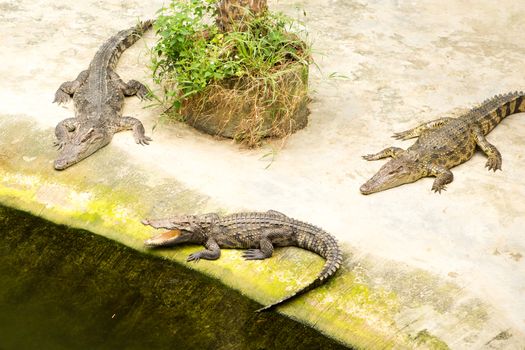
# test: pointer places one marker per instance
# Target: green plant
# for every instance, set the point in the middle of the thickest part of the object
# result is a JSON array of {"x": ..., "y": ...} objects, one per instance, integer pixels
[{"x": 192, "y": 53}]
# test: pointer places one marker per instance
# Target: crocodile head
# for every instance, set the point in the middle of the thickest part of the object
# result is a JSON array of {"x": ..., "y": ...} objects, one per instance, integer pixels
[
  {"x": 399, "y": 171},
  {"x": 183, "y": 229},
  {"x": 82, "y": 142}
]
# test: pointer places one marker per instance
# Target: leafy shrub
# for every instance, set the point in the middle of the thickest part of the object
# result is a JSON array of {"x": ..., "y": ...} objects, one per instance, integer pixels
[{"x": 193, "y": 55}]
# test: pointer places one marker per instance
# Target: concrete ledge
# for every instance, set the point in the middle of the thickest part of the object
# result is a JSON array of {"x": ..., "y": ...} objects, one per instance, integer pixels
[
  {"x": 421, "y": 270},
  {"x": 65, "y": 288},
  {"x": 371, "y": 303}
]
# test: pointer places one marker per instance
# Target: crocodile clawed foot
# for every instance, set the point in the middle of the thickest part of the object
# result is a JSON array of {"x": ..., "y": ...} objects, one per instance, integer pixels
[
  {"x": 194, "y": 257},
  {"x": 144, "y": 94},
  {"x": 401, "y": 135},
  {"x": 439, "y": 188},
  {"x": 493, "y": 163},
  {"x": 253, "y": 254},
  {"x": 61, "y": 97},
  {"x": 143, "y": 140}
]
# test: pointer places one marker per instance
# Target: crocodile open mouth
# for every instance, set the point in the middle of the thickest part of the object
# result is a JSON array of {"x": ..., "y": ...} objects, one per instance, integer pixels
[{"x": 163, "y": 238}]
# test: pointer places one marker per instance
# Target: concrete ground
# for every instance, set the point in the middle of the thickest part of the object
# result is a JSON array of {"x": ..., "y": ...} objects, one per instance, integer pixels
[{"x": 421, "y": 270}]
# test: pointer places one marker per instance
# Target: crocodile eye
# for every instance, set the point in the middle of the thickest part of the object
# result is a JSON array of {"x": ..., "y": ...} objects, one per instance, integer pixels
[{"x": 87, "y": 135}]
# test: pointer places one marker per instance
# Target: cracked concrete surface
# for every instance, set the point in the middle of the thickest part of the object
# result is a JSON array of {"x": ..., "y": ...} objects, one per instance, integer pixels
[{"x": 453, "y": 261}]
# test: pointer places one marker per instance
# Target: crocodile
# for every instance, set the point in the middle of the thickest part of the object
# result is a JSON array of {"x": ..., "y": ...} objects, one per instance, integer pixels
[
  {"x": 442, "y": 144},
  {"x": 259, "y": 232},
  {"x": 98, "y": 95}
]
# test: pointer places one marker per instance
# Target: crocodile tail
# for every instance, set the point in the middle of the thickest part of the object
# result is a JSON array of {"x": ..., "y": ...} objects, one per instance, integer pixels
[
  {"x": 118, "y": 43},
  {"x": 492, "y": 111},
  {"x": 324, "y": 244}
]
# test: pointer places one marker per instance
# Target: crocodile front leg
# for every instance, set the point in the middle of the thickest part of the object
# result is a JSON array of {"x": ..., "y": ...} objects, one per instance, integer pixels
[
  {"x": 130, "y": 123},
  {"x": 392, "y": 152},
  {"x": 264, "y": 252},
  {"x": 130, "y": 88},
  {"x": 415, "y": 132},
  {"x": 67, "y": 89},
  {"x": 62, "y": 131},
  {"x": 494, "y": 157},
  {"x": 212, "y": 252},
  {"x": 443, "y": 177}
]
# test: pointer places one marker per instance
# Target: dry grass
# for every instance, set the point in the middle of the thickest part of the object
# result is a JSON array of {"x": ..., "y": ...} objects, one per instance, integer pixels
[
  {"x": 245, "y": 84},
  {"x": 249, "y": 109}
]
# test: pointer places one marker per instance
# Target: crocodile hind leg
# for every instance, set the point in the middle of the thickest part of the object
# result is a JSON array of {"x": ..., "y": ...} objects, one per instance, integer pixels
[
  {"x": 443, "y": 177},
  {"x": 212, "y": 252},
  {"x": 392, "y": 152},
  {"x": 63, "y": 129},
  {"x": 265, "y": 250},
  {"x": 415, "y": 132},
  {"x": 130, "y": 88},
  {"x": 494, "y": 157},
  {"x": 67, "y": 89},
  {"x": 130, "y": 123}
]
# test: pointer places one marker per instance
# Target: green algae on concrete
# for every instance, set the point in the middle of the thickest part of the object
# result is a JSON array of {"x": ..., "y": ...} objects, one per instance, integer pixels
[
  {"x": 425, "y": 340},
  {"x": 111, "y": 200},
  {"x": 64, "y": 288},
  {"x": 460, "y": 52},
  {"x": 95, "y": 195}
]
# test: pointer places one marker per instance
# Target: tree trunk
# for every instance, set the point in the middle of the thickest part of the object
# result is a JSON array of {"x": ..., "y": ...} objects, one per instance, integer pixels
[{"x": 232, "y": 13}]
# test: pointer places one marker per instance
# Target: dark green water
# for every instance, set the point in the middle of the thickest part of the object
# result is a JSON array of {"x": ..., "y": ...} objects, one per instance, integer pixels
[{"x": 62, "y": 288}]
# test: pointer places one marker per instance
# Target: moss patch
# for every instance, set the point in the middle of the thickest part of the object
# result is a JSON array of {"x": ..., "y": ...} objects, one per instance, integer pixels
[
  {"x": 425, "y": 340},
  {"x": 111, "y": 200},
  {"x": 70, "y": 289}
]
